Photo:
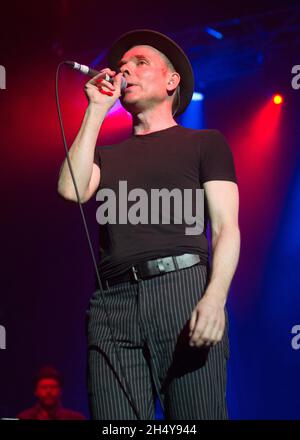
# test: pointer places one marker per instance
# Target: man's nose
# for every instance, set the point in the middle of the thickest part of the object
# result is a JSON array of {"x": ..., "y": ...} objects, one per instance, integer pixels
[{"x": 125, "y": 68}]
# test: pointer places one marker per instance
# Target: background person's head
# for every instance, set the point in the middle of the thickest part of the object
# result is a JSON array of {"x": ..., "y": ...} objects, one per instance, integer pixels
[
  {"x": 48, "y": 386},
  {"x": 154, "y": 78}
]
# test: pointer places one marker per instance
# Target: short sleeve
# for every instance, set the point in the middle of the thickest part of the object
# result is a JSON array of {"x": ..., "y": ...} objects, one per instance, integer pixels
[
  {"x": 97, "y": 159},
  {"x": 216, "y": 159}
]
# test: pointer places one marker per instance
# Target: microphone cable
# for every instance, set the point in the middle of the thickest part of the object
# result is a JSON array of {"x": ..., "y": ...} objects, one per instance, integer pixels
[{"x": 128, "y": 392}]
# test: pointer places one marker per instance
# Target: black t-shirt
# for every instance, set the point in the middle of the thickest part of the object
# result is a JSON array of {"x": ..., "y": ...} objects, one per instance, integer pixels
[{"x": 176, "y": 157}]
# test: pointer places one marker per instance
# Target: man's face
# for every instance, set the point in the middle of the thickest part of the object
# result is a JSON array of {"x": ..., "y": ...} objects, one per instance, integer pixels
[
  {"x": 48, "y": 392},
  {"x": 145, "y": 68}
]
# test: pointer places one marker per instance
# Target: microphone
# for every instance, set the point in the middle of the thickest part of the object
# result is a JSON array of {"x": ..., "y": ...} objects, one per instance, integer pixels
[{"x": 92, "y": 72}]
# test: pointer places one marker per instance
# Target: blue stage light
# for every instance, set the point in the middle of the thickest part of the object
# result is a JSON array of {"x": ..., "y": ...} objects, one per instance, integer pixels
[
  {"x": 197, "y": 96},
  {"x": 213, "y": 32}
]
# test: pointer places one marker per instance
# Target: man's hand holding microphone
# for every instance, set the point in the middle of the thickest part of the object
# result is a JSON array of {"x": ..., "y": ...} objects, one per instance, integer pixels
[{"x": 102, "y": 92}]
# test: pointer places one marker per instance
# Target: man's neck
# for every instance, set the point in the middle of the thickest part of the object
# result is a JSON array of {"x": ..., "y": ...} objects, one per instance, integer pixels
[
  {"x": 48, "y": 409},
  {"x": 43, "y": 412},
  {"x": 150, "y": 121}
]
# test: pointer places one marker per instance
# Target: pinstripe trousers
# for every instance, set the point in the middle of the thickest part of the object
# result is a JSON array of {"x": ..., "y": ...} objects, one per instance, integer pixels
[{"x": 150, "y": 322}]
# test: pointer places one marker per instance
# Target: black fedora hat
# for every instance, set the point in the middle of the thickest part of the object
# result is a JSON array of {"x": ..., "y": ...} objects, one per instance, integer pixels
[{"x": 165, "y": 45}]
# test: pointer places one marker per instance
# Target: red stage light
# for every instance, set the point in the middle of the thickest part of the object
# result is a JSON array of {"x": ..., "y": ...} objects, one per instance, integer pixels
[{"x": 277, "y": 99}]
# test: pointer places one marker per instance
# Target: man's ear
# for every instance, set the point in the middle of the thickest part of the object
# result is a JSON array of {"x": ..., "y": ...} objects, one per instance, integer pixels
[{"x": 173, "y": 81}]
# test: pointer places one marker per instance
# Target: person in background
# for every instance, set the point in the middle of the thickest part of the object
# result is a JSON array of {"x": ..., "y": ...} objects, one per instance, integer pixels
[{"x": 48, "y": 391}]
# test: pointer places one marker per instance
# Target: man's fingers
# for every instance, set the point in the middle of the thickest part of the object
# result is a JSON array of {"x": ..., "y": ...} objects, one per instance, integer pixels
[
  {"x": 104, "y": 92},
  {"x": 118, "y": 81},
  {"x": 103, "y": 83},
  {"x": 200, "y": 342},
  {"x": 193, "y": 321},
  {"x": 211, "y": 331},
  {"x": 199, "y": 327},
  {"x": 214, "y": 335},
  {"x": 205, "y": 332},
  {"x": 220, "y": 335},
  {"x": 118, "y": 77},
  {"x": 103, "y": 74}
]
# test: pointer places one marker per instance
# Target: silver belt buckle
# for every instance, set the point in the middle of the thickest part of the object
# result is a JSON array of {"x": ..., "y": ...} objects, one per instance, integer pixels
[
  {"x": 160, "y": 265},
  {"x": 134, "y": 271},
  {"x": 166, "y": 264}
]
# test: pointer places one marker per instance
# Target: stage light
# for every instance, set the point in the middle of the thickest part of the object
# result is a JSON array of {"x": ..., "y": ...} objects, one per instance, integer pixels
[
  {"x": 214, "y": 33},
  {"x": 197, "y": 96},
  {"x": 277, "y": 99},
  {"x": 193, "y": 117}
]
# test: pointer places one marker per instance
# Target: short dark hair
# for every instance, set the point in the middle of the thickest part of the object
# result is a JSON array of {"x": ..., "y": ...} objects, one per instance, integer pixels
[{"x": 48, "y": 372}]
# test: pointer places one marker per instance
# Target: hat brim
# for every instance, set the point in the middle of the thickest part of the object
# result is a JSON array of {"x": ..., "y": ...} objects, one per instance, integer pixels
[{"x": 165, "y": 45}]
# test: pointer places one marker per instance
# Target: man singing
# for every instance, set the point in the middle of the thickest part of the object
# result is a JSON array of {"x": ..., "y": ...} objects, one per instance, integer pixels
[{"x": 165, "y": 304}]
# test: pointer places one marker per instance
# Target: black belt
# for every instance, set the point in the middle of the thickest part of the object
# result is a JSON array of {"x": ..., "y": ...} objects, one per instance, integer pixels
[{"x": 150, "y": 268}]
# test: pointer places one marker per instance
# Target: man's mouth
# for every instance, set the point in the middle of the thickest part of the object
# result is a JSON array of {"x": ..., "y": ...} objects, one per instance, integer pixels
[{"x": 129, "y": 85}]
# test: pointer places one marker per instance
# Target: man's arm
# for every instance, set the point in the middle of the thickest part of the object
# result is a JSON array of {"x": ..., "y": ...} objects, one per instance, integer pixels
[
  {"x": 81, "y": 153},
  {"x": 208, "y": 318}
]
